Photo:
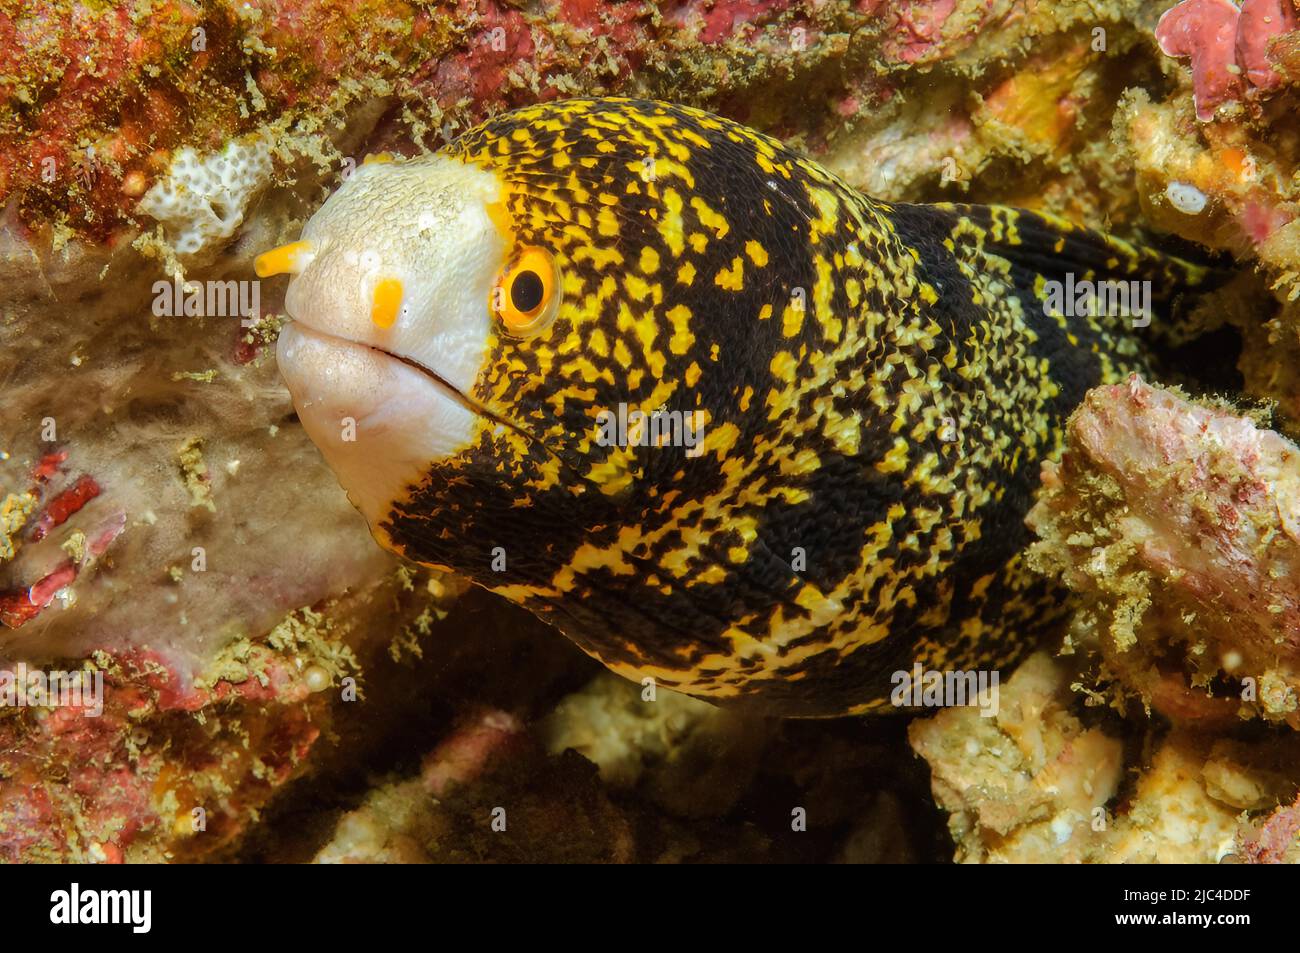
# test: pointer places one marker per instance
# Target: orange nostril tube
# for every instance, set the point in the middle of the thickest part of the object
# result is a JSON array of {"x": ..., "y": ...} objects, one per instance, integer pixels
[
  {"x": 387, "y": 301},
  {"x": 288, "y": 259}
]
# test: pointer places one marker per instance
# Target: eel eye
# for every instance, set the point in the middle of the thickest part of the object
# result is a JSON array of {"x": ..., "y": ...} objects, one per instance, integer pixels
[{"x": 526, "y": 296}]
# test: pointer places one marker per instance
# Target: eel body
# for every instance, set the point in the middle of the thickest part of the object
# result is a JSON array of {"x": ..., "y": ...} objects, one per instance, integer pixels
[{"x": 724, "y": 421}]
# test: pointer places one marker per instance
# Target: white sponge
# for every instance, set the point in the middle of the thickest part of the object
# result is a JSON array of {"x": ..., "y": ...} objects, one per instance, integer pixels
[{"x": 202, "y": 199}]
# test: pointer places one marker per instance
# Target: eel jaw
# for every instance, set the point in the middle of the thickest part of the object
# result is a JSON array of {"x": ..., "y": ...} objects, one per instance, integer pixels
[{"x": 379, "y": 422}]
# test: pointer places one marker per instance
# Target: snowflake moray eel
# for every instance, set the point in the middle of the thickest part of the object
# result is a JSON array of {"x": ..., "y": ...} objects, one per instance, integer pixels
[{"x": 876, "y": 386}]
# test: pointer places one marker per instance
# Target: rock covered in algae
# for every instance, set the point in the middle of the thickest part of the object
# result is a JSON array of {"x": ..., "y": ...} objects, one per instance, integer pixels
[
  {"x": 1178, "y": 522},
  {"x": 1173, "y": 523},
  {"x": 1041, "y": 784},
  {"x": 1030, "y": 778}
]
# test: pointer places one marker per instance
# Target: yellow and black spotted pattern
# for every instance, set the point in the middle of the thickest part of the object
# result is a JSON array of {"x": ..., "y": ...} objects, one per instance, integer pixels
[{"x": 880, "y": 384}]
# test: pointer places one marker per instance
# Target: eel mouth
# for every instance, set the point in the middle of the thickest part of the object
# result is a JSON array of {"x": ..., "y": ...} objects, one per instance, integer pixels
[
  {"x": 447, "y": 388},
  {"x": 444, "y": 387},
  {"x": 450, "y": 389},
  {"x": 465, "y": 400}
]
